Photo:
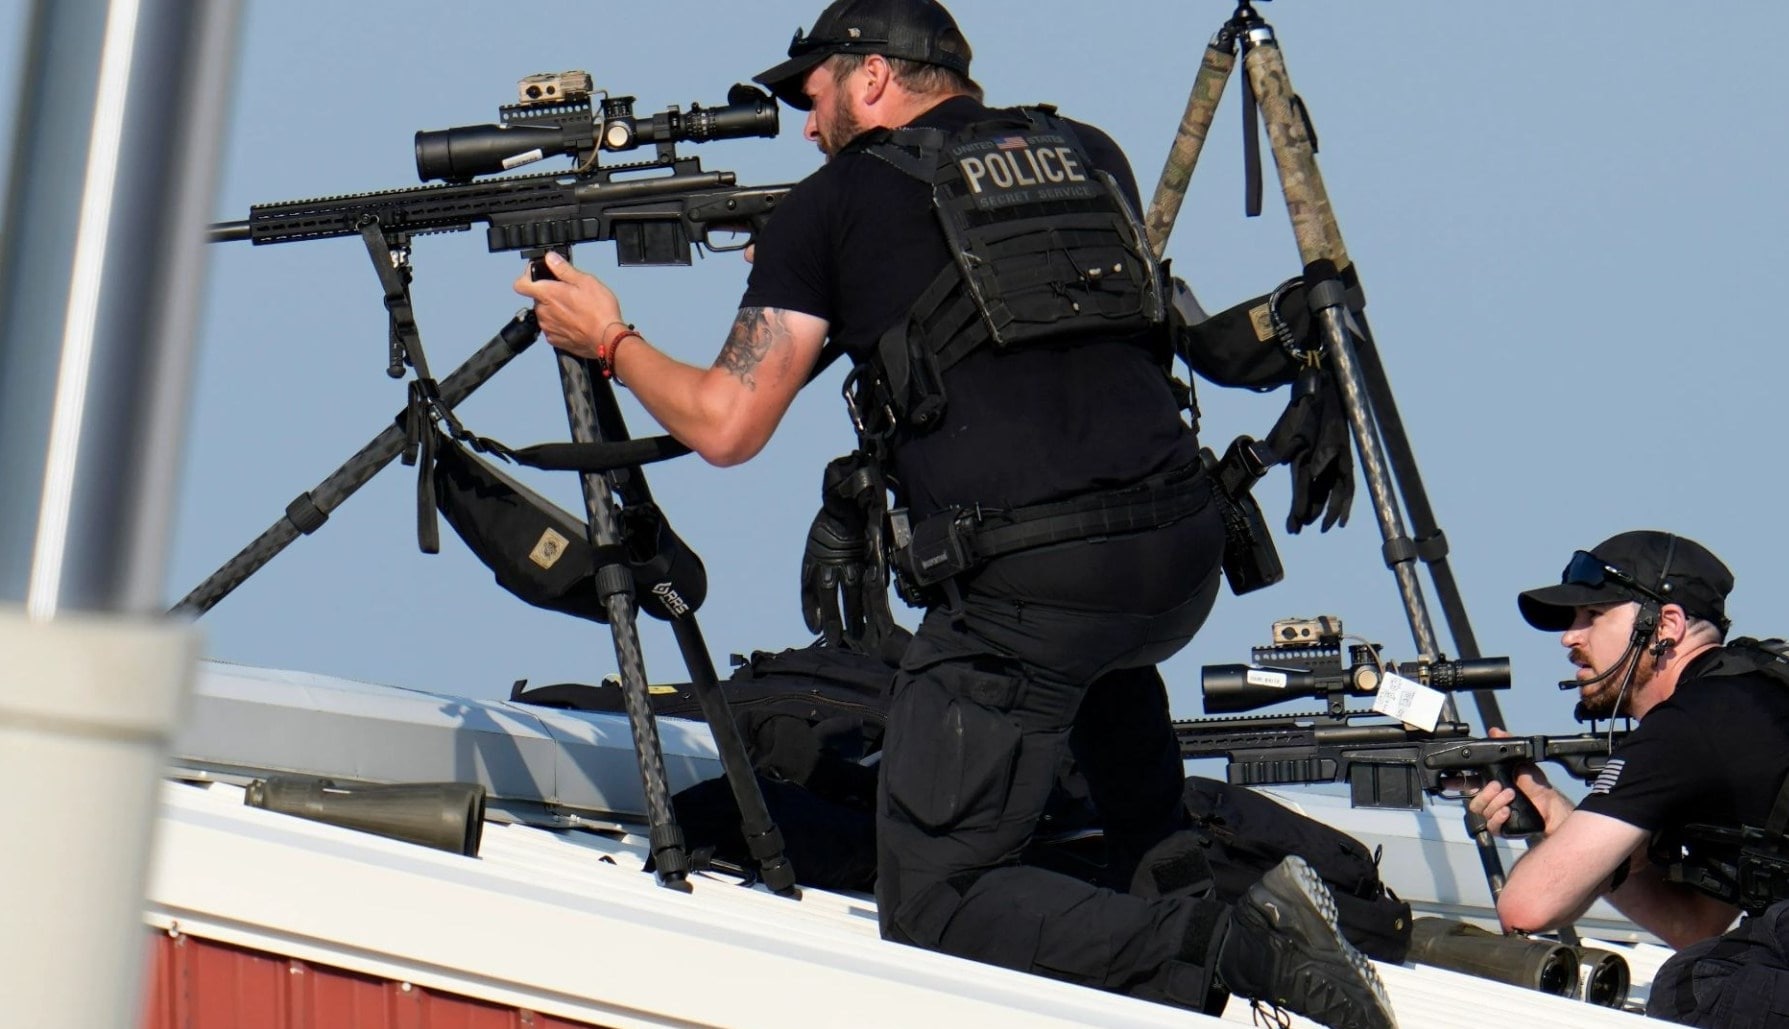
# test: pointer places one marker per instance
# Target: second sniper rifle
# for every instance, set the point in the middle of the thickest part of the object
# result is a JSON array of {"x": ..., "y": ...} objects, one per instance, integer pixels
[{"x": 1386, "y": 763}]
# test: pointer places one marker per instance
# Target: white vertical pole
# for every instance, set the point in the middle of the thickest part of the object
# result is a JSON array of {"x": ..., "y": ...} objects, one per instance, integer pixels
[{"x": 113, "y": 156}]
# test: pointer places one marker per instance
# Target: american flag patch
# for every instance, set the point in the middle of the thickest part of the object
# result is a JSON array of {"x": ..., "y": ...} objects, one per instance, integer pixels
[
  {"x": 1011, "y": 143},
  {"x": 1606, "y": 780}
]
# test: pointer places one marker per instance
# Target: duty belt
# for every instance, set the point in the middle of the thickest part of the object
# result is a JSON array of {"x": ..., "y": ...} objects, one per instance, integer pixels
[{"x": 953, "y": 542}]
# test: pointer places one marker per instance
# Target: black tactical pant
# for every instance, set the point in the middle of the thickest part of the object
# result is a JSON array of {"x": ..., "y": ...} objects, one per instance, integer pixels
[
  {"x": 1738, "y": 980},
  {"x": 1054, "y": 650}
]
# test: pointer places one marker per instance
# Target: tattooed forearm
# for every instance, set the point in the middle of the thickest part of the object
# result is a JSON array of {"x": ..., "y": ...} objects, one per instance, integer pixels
[{"x": 756, "y": 331}]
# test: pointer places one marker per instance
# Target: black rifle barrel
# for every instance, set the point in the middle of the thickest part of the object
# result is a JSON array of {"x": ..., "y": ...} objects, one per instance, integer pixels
[
  {"x": 227, "y": 232},
  {"x": 448, "y": 208}
]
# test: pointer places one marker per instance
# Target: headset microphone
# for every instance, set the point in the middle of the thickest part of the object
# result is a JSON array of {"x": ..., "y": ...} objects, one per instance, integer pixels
[
  {"x": 1643, "y": 628},
  {"x": 1572, "y": 684}
]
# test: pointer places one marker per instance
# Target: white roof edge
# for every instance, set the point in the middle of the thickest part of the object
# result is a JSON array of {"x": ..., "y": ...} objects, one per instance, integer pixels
[
  {"x": 252, "y": 719},
  {"x": 564, "y": 922}
]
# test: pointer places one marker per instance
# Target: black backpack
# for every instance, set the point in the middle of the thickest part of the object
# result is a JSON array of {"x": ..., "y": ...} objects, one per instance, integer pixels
[{"x": 809, "y": 718}]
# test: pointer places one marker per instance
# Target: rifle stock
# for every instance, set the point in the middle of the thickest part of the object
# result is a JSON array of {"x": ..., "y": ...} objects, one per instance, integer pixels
[{"x": 1385, "y": 764}]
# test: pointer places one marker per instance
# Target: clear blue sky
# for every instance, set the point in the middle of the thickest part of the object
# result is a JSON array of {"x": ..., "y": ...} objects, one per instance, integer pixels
[{"x": 1567, "y": 218}]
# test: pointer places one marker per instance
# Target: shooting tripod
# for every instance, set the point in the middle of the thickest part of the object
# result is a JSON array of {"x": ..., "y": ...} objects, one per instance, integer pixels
[
  {"x": 1338, "y": 307},
  {"x": 598, "y": 428}
]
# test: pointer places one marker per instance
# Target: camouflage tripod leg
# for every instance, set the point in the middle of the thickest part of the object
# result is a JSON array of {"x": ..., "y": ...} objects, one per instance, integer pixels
[
  {"x": 1320, "y": 242},
  {"x": 1319, "y": 238},
  {"x": 1334, "y": 303},
  {"x": 1189, "y": 140}
]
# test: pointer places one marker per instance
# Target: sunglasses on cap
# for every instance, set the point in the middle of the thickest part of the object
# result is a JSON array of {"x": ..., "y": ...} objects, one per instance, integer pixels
[
  {"x": 802, "y": 43},
  {"x": 1586, "y": 569}
]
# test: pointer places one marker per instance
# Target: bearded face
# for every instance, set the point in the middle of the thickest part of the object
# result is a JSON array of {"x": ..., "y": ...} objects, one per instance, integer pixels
[
  {"x": 1598, "y": 640},
  {"x": 832, "y": 121},
  {"x": 837, "y": 129},
  {"x": 1607, "y": 698}
]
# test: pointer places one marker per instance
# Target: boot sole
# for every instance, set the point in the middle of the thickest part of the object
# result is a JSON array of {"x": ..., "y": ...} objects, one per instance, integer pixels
[{"x": 1300, "y": 883}]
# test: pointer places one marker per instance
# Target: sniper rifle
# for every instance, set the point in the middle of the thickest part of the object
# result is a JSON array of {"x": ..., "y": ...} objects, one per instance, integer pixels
[
  {"x": 655, "y": 211},
  {"x": 1386, "y": 763}
]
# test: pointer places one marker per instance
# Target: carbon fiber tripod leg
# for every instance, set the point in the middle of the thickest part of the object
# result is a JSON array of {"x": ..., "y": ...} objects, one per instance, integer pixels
[
  {"x": 763, "y": 839},
  {"x": 1319, "y": 239},
  {"x": 615, "y": 586},
  {"x": 1431, "y": 542}
]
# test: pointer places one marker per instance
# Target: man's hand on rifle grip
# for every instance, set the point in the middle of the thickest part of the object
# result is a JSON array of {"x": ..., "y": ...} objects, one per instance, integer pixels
[
  {"x": 1513, "y": 799},
  {"x": 574, "y": 308}
]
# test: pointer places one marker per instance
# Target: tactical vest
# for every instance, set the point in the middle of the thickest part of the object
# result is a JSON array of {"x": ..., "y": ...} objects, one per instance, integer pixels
[
  {"x": 1747, "y": 866},
  {"x": 1045, "y": 248}
]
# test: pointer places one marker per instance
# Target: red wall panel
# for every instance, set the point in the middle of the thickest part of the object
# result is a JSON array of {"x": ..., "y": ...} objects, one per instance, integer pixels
[{"x": 200, "y": 984}]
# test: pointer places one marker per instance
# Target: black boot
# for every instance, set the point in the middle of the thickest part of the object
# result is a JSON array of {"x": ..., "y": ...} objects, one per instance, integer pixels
[{"x": 1283, "y": 948}]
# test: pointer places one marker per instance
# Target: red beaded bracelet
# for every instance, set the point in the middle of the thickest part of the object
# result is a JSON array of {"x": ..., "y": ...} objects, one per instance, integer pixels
[{"x": 605, "y": 351}]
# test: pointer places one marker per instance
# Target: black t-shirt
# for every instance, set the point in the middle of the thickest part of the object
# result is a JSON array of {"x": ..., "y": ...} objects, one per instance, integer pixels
[
  {"x": 1715, "y": 753},
  {"x": 857, "y": 242}
]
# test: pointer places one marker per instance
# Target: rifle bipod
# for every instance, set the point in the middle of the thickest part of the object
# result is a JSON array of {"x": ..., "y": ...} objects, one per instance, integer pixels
[
  {"x": 310, "y": 510},
  {"x": 1338, "y": 306}
]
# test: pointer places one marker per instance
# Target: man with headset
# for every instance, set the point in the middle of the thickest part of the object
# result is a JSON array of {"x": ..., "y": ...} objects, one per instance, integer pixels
[{"x": 1644, "y": 617}]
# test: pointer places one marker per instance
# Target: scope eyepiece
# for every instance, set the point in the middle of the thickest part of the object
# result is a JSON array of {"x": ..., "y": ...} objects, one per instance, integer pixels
[
  {"x": 748, "y": 112},
  {"x": 1477, "y": 673}
]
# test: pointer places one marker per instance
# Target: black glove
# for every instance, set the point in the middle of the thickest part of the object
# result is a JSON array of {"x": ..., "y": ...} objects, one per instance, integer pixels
[
  {"x": 831, "y": 571},
  {"x": 844, "y": 594},
  {"x": 1312, "y": 438}
]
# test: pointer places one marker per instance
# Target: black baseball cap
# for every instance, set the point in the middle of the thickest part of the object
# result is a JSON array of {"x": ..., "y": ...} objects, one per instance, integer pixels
[
  {"x": 915, "y": 30},
  {"x": 1641, "y": 565}
]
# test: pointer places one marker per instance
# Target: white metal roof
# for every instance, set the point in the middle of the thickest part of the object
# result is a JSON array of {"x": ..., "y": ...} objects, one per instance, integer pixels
[{"x": 565, "y": 923}]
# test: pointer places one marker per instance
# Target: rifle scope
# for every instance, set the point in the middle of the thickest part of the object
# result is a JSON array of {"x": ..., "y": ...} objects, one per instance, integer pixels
[
  {"x": 1246, "y": 687},
  {"x": 536, "y": 131}
]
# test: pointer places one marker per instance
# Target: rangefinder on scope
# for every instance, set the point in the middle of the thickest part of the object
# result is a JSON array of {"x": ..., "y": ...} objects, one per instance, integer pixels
[
  {"x": 554, "y": 116},
  {"x": 1305, "y": 660}
]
